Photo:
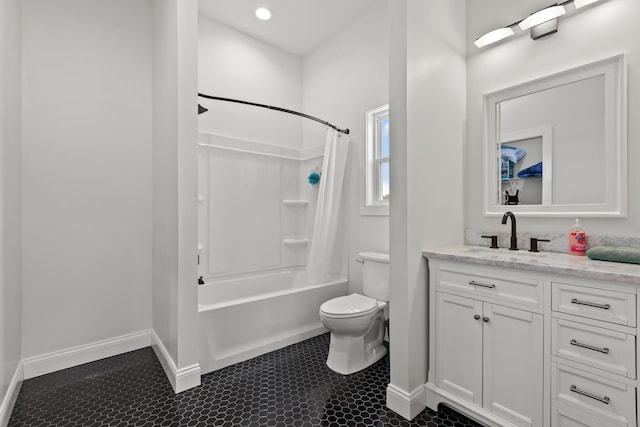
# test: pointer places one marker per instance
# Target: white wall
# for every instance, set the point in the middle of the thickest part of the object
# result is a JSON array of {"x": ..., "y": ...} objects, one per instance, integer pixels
[
  {"x": 187, "y": 63},
  {"x": 232, "y": 64},
  {"x": 10, "y": 193},
  {"x": 165, "y": 184},
  {"x": 604, "y": 30},
  {"x": 342, "y": 79},
  {"x": 86, "y": 171},
  {"x": 174, "y": 153},
  {"x": 427, "y": 107}
]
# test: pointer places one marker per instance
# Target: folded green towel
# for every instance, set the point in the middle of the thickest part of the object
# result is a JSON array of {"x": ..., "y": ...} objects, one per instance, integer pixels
[{"x": 615, "y": 253}]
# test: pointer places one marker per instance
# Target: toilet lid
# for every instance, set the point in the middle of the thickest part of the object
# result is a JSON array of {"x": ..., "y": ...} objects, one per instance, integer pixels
[{"x": 353, "y": 305}]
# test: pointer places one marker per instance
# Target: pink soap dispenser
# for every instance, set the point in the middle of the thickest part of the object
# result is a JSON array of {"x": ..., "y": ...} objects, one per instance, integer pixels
[{"x": 577, "y": 240}]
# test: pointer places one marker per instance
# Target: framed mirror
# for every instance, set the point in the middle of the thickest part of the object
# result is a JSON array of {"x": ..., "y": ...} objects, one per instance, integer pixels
[{"x": 556, "y": 146}]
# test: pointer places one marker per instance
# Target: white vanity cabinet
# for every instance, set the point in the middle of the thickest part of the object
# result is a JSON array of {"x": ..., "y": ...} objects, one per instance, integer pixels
[
  {"x": 488, "y": 325},
  {"x": 521, "y": 341}
]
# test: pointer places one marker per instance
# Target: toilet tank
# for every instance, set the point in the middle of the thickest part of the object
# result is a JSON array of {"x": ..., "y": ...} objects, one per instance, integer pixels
[{"x": 375, "y": 275}]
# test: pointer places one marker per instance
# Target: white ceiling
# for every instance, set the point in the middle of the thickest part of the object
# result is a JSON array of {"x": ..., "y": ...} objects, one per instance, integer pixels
[{"x": 296, "y": 26}]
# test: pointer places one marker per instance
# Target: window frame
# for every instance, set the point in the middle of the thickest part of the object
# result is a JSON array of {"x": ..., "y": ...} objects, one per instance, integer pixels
[{"x": 372, "y": 200}]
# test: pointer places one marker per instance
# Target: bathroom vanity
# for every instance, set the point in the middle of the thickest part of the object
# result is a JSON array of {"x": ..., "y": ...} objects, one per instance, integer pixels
[{"x": 525, "y": 339}]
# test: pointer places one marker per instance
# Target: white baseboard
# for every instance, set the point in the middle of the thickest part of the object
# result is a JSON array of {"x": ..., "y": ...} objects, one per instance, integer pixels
[
  {"x": 9, "y": 400},
  {"x": 51, "y": 362},
  {"x": 409, "y": 405},
  {"x": 181, "y": 379}
]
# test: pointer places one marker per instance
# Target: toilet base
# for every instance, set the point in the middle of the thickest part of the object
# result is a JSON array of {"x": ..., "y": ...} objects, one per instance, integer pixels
[{"x": 350, "y": 354}]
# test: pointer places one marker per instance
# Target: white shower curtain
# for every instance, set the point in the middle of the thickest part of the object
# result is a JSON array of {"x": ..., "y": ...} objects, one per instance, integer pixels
[{"x": 329, "y": 210}]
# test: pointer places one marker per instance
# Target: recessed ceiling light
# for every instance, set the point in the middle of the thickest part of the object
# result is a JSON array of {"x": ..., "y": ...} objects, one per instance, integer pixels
[{"x": 263, "y": 13}]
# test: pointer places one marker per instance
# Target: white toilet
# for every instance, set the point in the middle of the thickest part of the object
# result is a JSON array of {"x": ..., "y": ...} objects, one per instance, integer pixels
[{"x": 357, "y": 322}]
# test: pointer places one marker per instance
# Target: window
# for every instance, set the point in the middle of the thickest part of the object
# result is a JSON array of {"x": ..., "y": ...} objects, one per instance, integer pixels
[{"x": 376, "y": 194}]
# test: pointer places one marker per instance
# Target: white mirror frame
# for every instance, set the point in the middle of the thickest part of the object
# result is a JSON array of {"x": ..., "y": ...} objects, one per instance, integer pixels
[{"x": 614, "y": 71}]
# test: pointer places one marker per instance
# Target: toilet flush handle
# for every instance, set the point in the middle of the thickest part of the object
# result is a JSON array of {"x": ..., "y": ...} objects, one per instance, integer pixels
[{"x": 360, "y": 260}]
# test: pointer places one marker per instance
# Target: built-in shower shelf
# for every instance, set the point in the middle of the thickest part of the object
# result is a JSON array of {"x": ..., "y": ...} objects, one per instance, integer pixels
[
  {"x": 295, "y": 241},
  {"x": 295, "y": 202}
]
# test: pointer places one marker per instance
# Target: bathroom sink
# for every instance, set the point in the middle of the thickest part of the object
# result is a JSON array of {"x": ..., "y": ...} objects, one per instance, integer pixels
[{"x": 482, "y": 250}]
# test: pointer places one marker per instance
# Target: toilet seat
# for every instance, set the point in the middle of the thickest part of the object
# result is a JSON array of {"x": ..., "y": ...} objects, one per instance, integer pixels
[{"x": 350, "y": 306}]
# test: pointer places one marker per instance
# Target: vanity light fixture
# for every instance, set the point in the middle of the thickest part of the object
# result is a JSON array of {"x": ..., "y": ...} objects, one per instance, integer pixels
[
  {"x": 263, "y": 13},
  {"x": 541, "y": 23},
  {"x": 494, "y": 36},
  {"x": 581, "y": 3},
  {"x": 542, "y": 16}
]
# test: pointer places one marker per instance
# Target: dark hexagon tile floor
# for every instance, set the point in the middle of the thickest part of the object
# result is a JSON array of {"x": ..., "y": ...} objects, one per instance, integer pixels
[{"x": 288, "y": 387}]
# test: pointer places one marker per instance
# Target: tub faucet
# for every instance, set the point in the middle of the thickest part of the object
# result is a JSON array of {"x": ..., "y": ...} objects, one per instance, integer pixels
[{"x": 514, "y": 237}]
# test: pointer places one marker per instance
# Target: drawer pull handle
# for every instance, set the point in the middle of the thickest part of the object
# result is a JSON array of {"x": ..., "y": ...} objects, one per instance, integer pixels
[
  {"x": 604, "y": 350},
  {"x": 591, "y": 304},
  {"x": 604, "y": 400},
  {"x": 482, "y": 285}
]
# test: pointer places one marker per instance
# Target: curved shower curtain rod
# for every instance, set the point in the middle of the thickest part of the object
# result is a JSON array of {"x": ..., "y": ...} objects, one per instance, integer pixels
[{"x": 202, "y": 109}]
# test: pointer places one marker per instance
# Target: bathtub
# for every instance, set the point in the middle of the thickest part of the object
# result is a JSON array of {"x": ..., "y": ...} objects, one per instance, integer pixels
[{"x": 244, "y": 317}]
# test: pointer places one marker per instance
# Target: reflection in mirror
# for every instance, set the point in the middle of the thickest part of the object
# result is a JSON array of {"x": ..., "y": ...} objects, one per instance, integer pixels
[
  {"x": 522, "y": 169},
  {"x": 575, "y": 113},
  {"x": 556, "y": 146}
]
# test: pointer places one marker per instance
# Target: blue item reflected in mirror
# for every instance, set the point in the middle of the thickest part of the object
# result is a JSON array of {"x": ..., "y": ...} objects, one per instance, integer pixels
[{"x": 531, "y": 171}]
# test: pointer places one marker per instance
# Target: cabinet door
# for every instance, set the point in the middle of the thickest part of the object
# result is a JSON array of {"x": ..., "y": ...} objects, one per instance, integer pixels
[
  {"x": 459, "y": 346},
  {"x": 513, "y": 364}
]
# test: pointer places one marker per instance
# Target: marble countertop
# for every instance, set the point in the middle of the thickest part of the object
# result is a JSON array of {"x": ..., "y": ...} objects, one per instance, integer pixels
[{"x": 548, "y": 262}]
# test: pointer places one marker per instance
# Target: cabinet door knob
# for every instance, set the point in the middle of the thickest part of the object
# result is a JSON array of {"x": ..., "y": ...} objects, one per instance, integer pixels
[
  {"x": 485, "y": 319},
  {"x": 477, "y": 317}
]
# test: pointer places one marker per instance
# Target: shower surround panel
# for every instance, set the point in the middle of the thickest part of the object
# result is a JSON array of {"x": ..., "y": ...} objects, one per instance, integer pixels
[{"x": 247, "y": 222}]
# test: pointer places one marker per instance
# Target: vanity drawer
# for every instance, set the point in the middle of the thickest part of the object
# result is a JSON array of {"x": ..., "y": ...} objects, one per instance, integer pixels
[
  {"x": 601, "y": 348},
  {"x": 478, "y": 282},
  {"x": 565, "y": 417},
  {"x": 599, "y": 304},
  {"x": 599, "y": 401}
]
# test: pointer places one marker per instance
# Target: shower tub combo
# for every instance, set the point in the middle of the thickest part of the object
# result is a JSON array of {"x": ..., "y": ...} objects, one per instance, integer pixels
[
  {"x": 243, "y": 315},
  {"x": 246, "y": 316}
]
